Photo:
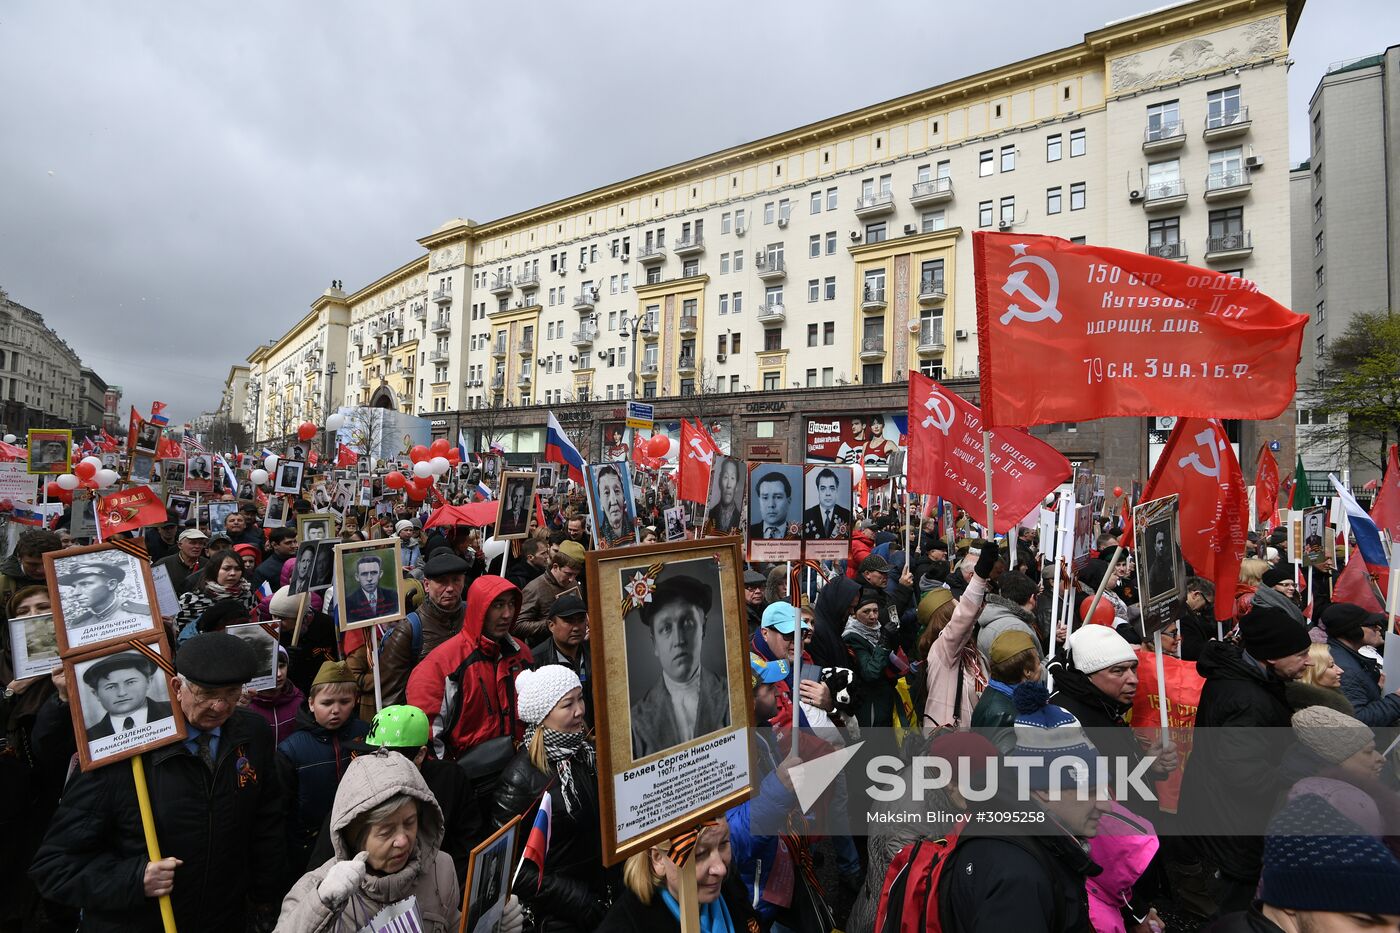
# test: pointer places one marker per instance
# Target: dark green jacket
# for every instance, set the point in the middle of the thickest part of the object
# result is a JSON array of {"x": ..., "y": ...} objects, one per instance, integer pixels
[{"x": 995, "y": 718}]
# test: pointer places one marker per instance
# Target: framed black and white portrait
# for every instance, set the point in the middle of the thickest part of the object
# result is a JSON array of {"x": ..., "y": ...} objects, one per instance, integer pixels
[
  {"x": 775, "y": 511},
  {"x": 262, "y": 637},
  {"x": 100, "y": 594},
  {"x": 724, "y": 502},
  {"x": 517, "y": 504},
  {"x": 123, "y": 701},
  {"x": 275, "y": 515},
  {"x": 369, "y": 582},
  {"x": 612, "y": 507},
  {"x": 1161, "y": 570},
  {"x": 33, "y": 645},
  {"x": 288, "y": 477},
  {"x": 488, "y": 879},
  {"x": 312, "y": 526},
  {"x": 218, "y": 515}
]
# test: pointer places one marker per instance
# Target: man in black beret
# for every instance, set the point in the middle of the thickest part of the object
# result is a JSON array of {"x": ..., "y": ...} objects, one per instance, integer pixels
[
  {"x": 438, "y": 617},
  {"x": 121, "y": 683},
  {"x": 1350, "y": 628},
  {"x": 217, "y": 808},
  {"x": 688, "y": 699}
]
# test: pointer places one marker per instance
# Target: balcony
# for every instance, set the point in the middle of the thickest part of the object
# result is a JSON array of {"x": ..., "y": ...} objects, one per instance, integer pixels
[
  {"x": 1232, "y": 183},
  {"x": 585, "y": 337},
  {"x": 500, "y": 285},
  {"x": 933, "y": 191},
  {"x": 652, "y": 255},
  {"x": 773, "y": 313},
  {"x": 498, "y": 350},
  {"x": 443, "y": 296},
  {"x": 931, "y": 292},
  {"x": 498, "y": 383},
  {"x": 421, "y": 312},
  {"x": 524, "y": 379},
  {"x": 587, "y": 300},
  {"x": 1173, "y": 250},
  {"x": 358, "y": 340},
  {"x": 689, "y": 323},
  {"x": 525, "y": 347},
  {"x": 1229, "y": 246},
  {"x": 872, "y": 348},
  {"x": 650, "y": 331},
  {"x": 648, "y": 369},
  {"x": 441, "y": 325},
  {"x": 770, "y": 268},
  {"x": 685, "y": 366},
  {"x": 875, "y": 205},
  {"x": 872, "y": 299},
  {"x": 1161, "y": 137},
  {"x": 1227, "y": 125},
  {"x": 692, "y": 245},
  {"x": 528, "y": 280},
  {"x": 437, "y": 356},
  {"x": 1163, "y": 195},
  {"x": 931, "y": 340}
]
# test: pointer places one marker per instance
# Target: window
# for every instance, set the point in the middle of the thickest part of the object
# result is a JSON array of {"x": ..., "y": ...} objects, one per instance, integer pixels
[
  {"x": 773, "y": 256},
  {"x": 814, "y": 290},
  {"x": 1317, "y": 127},
  {"x": 923, "y": 173},
  {"x": 872, "y": 374},
  {"x": 1078, "y": 143},
  {"x": 772, "y": 339},
  {"x": 929, "y": 221},
  {"x": 831, "y": 243},
  {"x": 612, "y": 320},
  {"x": 1317, "y": 175},
  {"x": 984, "y": 214},
  {"x": 811, "y": 335},
  {"x": 1052, "y": 200},
  {"x": 1321, "y": 317},
  {"x": 931, "y": 276},
  {"x": 875, "y": 233},
  {"x": 626, "y": 282},
  {"x": 739, "y": 219},
  {"x": 1008, "y": 158},
  {"x": 1317, "y": 210},
  {"x": 612, "y": 285},
  {"x": 811, "y": 378},
  {"x": 734, "y": 342},
  {"x": 1053, "y": 145},
  {"x": 945, "y": 169},
  {"x": 739, "y": 261},
  {"x": 653, "y": 275},
  {"x": 1008, "y": 211},
  {"x": 1227, "y": 228},
  {"x": 1076, "y": 196},
  {"x": 984, "y": 163},
  {"x": 815, "y": 205},
  {"x": 1223, "y": 107},
  {"x": 784, "y": 209},
  {"x": 771, "y": 383},
  {"x": 1226, "y": 169},
  {"x": 1321, "y": 345},
  {"x": 690, "y": 268},
  {"x": 768, "y": 212},
  {"x": 1164, "y": 179},
  {"x": 722, "y": 344},
  {"x": 773, "y": 295},
  {"x": 1163, "y": 120},
  {"x": 723, "y": 304},
  {"x": 1320, "y": 276},
  {"x": 874, "y": 285},
  {"x": 829, "y": 288},
  {"x": 1164, "y": 237},
  {"x": 723, "y": 263},
  {"x": 1078, "y": 239},
  {"x": 738, "y": 307},
  {"x": 829, "y": 333},
  {"x": 1318, "y": 244},
  {"x": 831, "y": 199},
  {"x": 814, "y": 245},
  {"x": 726, "y": 222}
]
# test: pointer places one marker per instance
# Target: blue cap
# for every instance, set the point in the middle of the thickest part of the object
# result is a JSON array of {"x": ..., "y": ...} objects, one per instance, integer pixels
[
  {"x": 782, "y": 618},
  {"x": 768, "y": 672}
]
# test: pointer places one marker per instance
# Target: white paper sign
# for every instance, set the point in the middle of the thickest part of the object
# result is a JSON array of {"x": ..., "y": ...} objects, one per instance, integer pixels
[
  {"x": 653, "y": 794},
  {"x": 16, "y": 482},
  {"x": 165, "y": 591}
]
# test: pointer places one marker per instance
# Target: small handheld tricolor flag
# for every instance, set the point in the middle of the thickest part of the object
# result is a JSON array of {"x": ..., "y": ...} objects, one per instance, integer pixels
[{"x": 537, "y": 844}]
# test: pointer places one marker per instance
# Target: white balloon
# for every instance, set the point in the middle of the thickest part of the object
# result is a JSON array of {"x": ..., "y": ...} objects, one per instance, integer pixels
[
  {"x": 95, "y": 461},
  {"x": 423, "y": 469},
  {"x": 257, "y": 477},
  {"x": 270, "y": 463},
  {"x": 68, "y": 481},
  {"x": 335, "y": 422},
  {"x": 857, "y": 471},
  {"x": 10, "y": 438},
  {"x": 673, "y": 449},
  {"x": 439, "y": 465},
  {"x": 105, "y": 478}
]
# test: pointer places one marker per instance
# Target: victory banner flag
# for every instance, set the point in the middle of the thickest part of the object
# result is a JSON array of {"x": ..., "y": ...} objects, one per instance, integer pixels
[
  {"x": 345, "y": 457},
  {"x": 1266, "y": 485},
  {"x": 1108, "y": 333},
  {"x": 129, "y": 510},
  {"x": 1199, "y": 465},
  {"x": 946, "y": 457},
  {"x": 698, "y": 452}
]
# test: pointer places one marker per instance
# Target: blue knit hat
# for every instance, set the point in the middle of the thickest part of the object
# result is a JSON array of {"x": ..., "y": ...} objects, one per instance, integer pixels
[
  {"x": 1050, "y": 735},
  {"x": 1317, "y": 859}
]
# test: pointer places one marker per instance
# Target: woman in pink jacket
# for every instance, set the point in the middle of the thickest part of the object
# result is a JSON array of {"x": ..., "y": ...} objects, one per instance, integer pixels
[{"x": 955, "y": 674}]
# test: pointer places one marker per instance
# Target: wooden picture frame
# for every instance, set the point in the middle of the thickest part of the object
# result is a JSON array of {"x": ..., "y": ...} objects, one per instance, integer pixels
[
  {"x": 773, "y": 486},
  {"x": 315, "y": 526},
  {"x": 199, "y": 473},
  {"x": 628, "y": 591},
  {"x": 1161, "y": 572},
  {"x": 42, "y": 454},
  {"x": 388, "y": 586},
  {"x": 97, "y": 714},
  {"x": 116, "y": 580},
  {"x": 218, "y": 515},
  {"x": 33, "y": 645},
  {"x": 501, "y": 849},
  {"x": 515, "y": 484}
]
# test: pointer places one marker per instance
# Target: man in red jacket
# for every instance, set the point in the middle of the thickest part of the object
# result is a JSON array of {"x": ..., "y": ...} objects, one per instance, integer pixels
[{"x": 466, "y": 685}]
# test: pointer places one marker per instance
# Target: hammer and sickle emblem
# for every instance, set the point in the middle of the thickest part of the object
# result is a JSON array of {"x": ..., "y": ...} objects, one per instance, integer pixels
[
  {"x": 940, "y": 412},
  {"x": 1016, "y": 284},
  {"x": 700, "y": 452},
  {"x": 1207, "y": 440}
]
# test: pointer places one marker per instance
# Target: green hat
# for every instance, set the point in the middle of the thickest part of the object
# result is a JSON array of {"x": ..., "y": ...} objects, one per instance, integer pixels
[
  {"x": 333, "y": 672},
  {"x": 399, "y": 727}
]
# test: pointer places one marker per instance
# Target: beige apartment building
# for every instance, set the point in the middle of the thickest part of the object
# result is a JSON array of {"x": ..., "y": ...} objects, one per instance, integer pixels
[{"x": 823, "y": 264}]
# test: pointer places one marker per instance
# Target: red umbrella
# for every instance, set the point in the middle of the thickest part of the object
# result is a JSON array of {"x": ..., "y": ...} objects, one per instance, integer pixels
[{"x": 475, "y": 514}]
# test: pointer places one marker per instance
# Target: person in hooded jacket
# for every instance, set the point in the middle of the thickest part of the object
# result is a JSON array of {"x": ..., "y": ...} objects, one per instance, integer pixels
[
  {"x": 280, "y": 704},
  {"x": 1239, "y": 740},
  {"x": 1011, "y": 607},
  {"x": 833, "y": 608},
  {"x": 386, "y": 828},
  {"x": 466, "y": 685},
  {"x": 557, "y": 755}
]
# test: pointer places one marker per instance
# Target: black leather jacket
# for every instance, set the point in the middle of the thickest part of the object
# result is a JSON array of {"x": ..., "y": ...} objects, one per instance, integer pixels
[{"x": 574, "y": 892}]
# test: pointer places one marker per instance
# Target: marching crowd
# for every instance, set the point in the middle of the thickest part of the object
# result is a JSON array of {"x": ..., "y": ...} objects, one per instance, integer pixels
[{"x": 311, "y": 805}]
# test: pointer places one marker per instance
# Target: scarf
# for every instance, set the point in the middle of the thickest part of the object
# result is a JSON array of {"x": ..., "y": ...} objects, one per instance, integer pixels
[
  {"x": 869, "y": 635},
  {"x": 449, "y": 620},
  {"x": 714, "y": 916},
  {"x": 564, "y": 750}
]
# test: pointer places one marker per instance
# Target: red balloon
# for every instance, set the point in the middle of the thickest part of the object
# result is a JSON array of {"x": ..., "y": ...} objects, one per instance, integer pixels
[
  {"x": 1118, "y": 490},
  {"x": 440, "y": 447},
  {"x": 395, "y": 480},
  {"x": 1103, "y": 612},
  {"x": 54, "y": 490},
  {"x": 414, "y": 494},
  {"x": 454, "y": 456},
  {"x": 84, "y": 470},
  {"x": 306, "y": 431},
  {"x": 88, "y": 483},
  {"x": 658, "y": 445},
  {"x": 419, "y": 453}
]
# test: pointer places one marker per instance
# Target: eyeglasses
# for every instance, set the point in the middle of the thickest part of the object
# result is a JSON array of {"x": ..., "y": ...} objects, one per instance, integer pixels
[{"x": 222, "y": 696}]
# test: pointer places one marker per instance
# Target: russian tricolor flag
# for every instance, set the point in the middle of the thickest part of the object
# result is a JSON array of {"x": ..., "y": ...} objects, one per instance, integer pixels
[
  {"x": 558, "y": 449},
  {"x": 1368, "y": 537},
  {"x": 461, "y": 445},
  {"x": 537, "y": 844}
]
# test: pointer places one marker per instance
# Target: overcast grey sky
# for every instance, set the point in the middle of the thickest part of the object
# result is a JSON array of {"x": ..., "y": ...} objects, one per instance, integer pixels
[{"x": 178, "y": 181}]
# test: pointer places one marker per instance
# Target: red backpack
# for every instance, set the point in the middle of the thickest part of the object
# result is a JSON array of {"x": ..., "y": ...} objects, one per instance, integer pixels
[{"x": 909, "y": 896}]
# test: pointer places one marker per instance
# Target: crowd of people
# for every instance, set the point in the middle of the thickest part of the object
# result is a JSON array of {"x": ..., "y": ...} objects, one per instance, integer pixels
[{"x": 315, "y": 803}]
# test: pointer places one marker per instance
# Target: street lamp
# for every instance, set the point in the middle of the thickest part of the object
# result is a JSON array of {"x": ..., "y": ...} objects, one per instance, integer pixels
[
  {"x": 638, "y": 325},
  {"x": 330, "y": 394},
  {"x": 257, "y": 410}
]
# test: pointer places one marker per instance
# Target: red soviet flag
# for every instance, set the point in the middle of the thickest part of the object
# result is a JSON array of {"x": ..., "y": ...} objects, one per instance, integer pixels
[
  {"x": 946, "y": 457},
  {"x": 698, "y": 452},
  {"x": 128, "y": 510},
  {"x": 1071, "y": 332},
  {"x": 1266, "y": 489},
  {"x": 345, "y": 457},
  {"x": 1199, "y": 465},
  {"x": 1385, "y": 510}
]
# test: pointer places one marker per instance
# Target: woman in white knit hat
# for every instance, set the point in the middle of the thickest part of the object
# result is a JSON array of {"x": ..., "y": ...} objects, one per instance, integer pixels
[{"x": 557, "y": 755}]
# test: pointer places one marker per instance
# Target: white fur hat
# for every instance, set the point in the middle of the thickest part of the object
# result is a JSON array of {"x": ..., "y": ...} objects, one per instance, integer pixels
[
  {"x": 1095, "y": 647},
  {"x": 538, "y": 692}
]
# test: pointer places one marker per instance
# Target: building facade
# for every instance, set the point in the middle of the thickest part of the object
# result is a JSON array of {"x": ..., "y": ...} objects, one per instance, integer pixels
[
  {"x": 823, "y": 264},
  {"x": 43, "y": 383},
  {"x": 1345, "y": 205},
  {"x": 298, "y": 377}
]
